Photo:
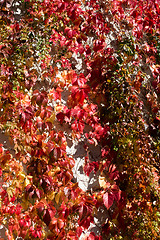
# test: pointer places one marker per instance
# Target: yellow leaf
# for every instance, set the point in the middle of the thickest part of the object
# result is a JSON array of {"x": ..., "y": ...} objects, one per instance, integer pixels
[
  {"x": 25, "y": 204},
  {"x": 10, "y": 192},
  {"x": 57, "y": 170},
  {"x": 27, "y": 181},
  {"x": 115, "y": 221},
  {"x": 59, "y": 108},
  {"x": 22, "y": 175},
  {"x": 51, "y": 196},
  {"x": 58, "y": 197},
  {"x": 103, "y": 182},
  {"x": 51, "y": 118},
  {"x": 142, "y": 186}
]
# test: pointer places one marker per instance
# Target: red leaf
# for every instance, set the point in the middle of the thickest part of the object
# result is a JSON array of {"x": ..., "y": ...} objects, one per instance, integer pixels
[
  {"x": 38, "y": 193},
  {"x": 50, "y": 147},
  {"x": 86, "y": 222},
  {"x": 40, "y": 208},
  {"x": 108, "y": 199},
  {"x": 113, "y": 173},
  {"x": 60, "y": 223},
  {"x": 4, "y": 158},
  {"x": 116, "y": 192},
  {"x": 91, "y": 236},
  {"x": 48, "y": 215},
  {"x": 60, "y": 116},
  {"x": 88, "y": 168},
  {"x": 83, "y": 212},
  {"x": 117, "y": 195},
  {"x": 88, "y": 50},
  {"x": 134, "y": 14},
  {"x": 79, "y": 231},
  {"x": 56, "y": 93},
  {"x": 81, "y": 126},
  {"x": 157, "y": 8},
  {"x": 98, "y": 45}
]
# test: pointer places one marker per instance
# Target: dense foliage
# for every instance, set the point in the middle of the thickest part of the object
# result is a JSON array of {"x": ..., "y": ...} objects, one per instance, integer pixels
[{"x": 113, "y": 103}]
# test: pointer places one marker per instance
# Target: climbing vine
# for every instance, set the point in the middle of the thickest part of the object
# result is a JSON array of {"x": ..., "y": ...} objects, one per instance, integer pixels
[{"x": 105, "y": 54}]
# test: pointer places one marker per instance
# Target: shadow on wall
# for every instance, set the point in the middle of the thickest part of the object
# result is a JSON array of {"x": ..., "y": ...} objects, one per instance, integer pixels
[
  {"x": 7, "y": 144},
  {"x": 77, "y": 150},
  {"x": 2, "y": 233}
]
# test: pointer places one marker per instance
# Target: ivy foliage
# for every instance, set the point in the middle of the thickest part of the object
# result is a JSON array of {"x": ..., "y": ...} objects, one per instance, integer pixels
[{"x": 114, "y": 94}]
